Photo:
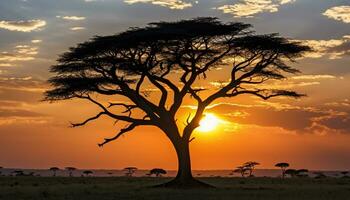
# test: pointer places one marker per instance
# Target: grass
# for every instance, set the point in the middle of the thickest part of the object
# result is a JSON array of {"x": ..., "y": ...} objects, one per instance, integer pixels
[{"x": 93, "y": 188}]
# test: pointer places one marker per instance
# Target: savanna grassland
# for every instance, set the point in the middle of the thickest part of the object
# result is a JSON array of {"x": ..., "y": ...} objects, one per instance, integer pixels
[{"x": 96, "y": 188}]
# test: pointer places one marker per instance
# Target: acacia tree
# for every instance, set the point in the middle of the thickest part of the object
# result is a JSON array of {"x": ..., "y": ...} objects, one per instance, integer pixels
[
  {"x": 172, "y": 57},
  {"x": 130, "y": 171},
  {"x": 241, "y": 170},
  {"x": 283, "y": 167},
  {"x": 54, "y": 170},
  {"x": 250, "y": 166},
  {"x": 157, "y": 172},
  {"x": 70, "y": 170}
]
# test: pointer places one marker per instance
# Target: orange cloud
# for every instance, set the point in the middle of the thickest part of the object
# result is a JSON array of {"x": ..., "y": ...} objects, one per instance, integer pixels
[
  {"x": 339, "y": 13},
  {"x": 23, "y": 26},
  {"x": 333, "y": 48},
  {"x": 249, "y": 8}
]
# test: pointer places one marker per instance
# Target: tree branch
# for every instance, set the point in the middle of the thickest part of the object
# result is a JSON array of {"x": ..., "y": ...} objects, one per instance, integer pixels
[
  {"x": 88, "y": 120},
  {"x": 122, "y": 132}
]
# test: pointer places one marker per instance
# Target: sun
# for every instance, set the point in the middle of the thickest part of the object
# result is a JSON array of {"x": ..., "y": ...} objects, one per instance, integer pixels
[{"x": 208, "y": 123}]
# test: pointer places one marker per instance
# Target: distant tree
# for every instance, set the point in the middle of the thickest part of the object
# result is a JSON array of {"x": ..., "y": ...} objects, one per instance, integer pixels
[
  {"x": 291, "y": 172},
  {"x": 87, "y": 172},
  {"x": 70, "y": 170},
  {"x": 158, "y": 172},
  {"x": 302, "y": 172},
  {"x": 283, "y": 167},
  {"x": 250, "y": 166},
  {"x": 345, "y": 173},
  {"x": 110, "y": 173},
  {"x": 297, "y": 172},
  {"x": 17, "y": 173},
  {"x": 162, "y": 55},
  {"x": 1, "y": 170},
  {"x": 54, "y": 170},
  {"x": 241, "y": 170},
  {"x": 129, "y": 171}
]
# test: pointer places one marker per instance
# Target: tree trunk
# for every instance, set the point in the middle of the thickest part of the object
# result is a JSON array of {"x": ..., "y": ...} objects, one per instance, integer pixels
[
  {"x": 184, "y": 172},
  {"x": 184, "y": 178}
]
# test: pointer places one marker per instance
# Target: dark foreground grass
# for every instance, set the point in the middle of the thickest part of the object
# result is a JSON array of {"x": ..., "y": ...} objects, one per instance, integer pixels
[{"x": 92, "y": 188}]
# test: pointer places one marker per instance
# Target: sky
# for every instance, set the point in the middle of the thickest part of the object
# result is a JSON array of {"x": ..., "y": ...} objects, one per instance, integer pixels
[{"x": 312, "y": 132}]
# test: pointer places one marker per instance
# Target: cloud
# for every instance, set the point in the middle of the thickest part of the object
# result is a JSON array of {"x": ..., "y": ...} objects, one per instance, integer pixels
[
  {"x": 20, "y": 53},
  {"x": 21, "y": 89},
  {"x": 249, "y": 8},
  {"x": 23, "y": 26},
  {"x": 289, "y": 83},
  {"x": 6, "y": 65},
  {"x": 342, "y": 103},
  {"x": 27, "y": 84},
  {"x": 292, "y": 118},
  {"x": 313, "y": 77},
  {"x": 333, "y": 48},
  {"x": 77, "y": 28},
  {"x": 72, "y": 18},
  {"x": 17, "y": 115},
  {"x": 339, "y": 13},
  {"x": 172, "y": 4},
  {"x": 36, "y": 41}
]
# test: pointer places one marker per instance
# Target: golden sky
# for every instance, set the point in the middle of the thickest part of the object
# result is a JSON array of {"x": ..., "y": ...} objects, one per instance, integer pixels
[{"x": 312, "y": 132}]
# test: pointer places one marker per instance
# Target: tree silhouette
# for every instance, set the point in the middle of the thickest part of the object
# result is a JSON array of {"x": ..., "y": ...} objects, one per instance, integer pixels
[
  {"x": 297, "y": 172},
  {"x": 18, "y": 173},
  {"x": 110, "y": 173},
  {"x": 1, "y": 170},
  {"x": 302, "y": 172},
  {"x": 241, "y": 170},
  {"x": 172, "y": 57},
  {"x": 157, "y": 172},
  {"x": 345, "y": 174},
  {"x": 129, "y": 171},
  {"x": 70, "y": 170},
  {"x": 250, "y": 166},
  {"x": 291, "y": 172},
  {"x": 87, "y": 172},
  {"x": 283, "y": 167},
  {"x": 54, "y": 170}
]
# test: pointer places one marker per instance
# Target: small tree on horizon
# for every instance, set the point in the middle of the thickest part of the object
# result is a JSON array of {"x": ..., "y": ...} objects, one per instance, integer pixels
[
  {"x": 344, "y": 173},
  {"x": 157, "y": 172},
  {"x": 291, "y": 172},
  {"x": 54, "y": 170},
  {"x": 18, "y": 172},
  {"x": 87, "y": 172},
  {"x": 172, "y": 57},
  {"x": 302, "y": 173},
  {"x": 130, "y": 171},
  {"x": 70, "y": 170},
  {"x": 241, "y": 170},
  {"x": 283, "y": 167},
  {"x": 250, "y": 166}
]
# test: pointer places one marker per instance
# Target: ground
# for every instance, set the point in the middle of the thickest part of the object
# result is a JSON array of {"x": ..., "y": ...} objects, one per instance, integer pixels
[{"x": 94, "y": 188}]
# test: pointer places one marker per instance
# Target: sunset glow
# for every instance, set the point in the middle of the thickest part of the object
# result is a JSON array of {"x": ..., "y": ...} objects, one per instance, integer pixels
[
  {"x": 208, "y": 123},
  {"x": 312, "y": 132}
]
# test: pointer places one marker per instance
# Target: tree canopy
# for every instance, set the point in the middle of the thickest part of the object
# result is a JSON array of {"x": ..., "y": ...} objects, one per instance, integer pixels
[{"x": 124, "y": 63}]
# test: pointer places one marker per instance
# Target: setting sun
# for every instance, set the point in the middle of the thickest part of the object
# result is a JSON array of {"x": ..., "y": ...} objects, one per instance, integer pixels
[{"x": 208, "y": 123}]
